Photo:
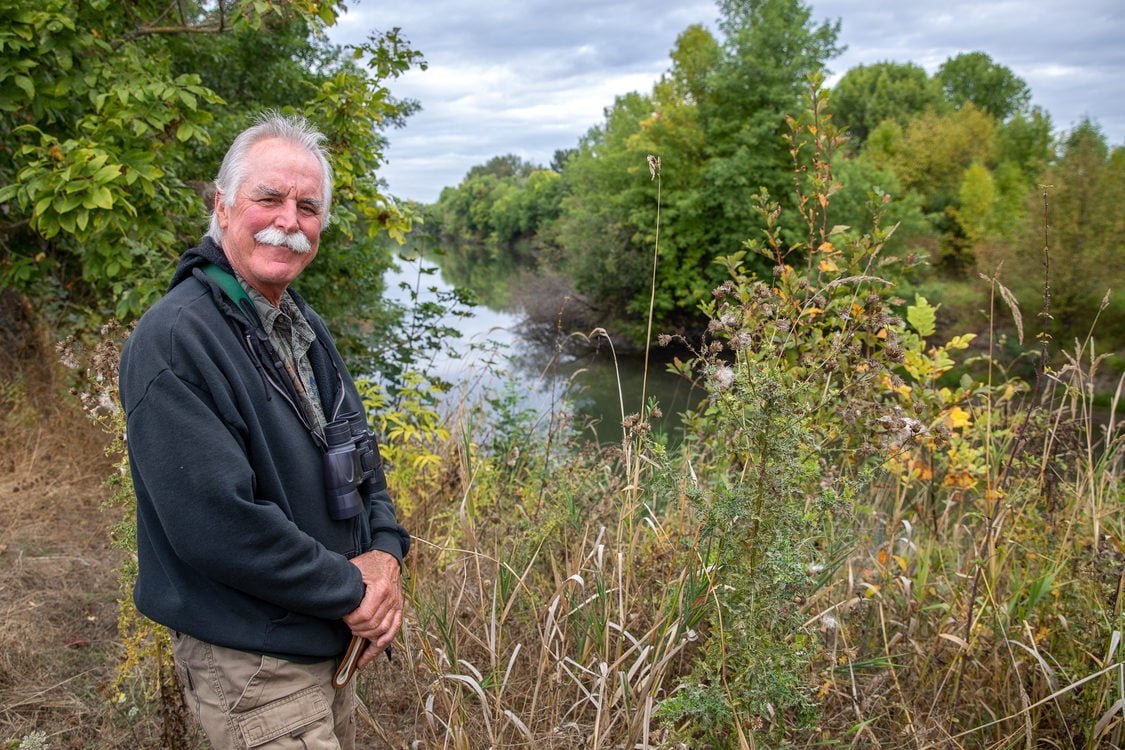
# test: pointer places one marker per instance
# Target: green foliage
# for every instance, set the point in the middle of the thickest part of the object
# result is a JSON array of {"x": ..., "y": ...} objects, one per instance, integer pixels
[
  {"x": 89, "y": 124},
  {"x": 771, "y": 47},
  {"x": 499, "y": 214},
  {"x": 973, "y": 78},
  {"x": 409, "y": 429},
  {"x": 870, "y": 190},
  {"x": 113, "y": 116},
  {"x": 1084, "y": 189},
  {"x": 868, "y": 95},
  {"x": 610, "y": 211},
  {"x": 797, "y": 374},
  {"x": 713, "y": 120},
  {"x": 964, "y": 146}
]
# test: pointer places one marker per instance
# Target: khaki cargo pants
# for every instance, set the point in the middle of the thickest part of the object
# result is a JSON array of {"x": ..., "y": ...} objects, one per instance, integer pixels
[{"x": 243, "y": 700}]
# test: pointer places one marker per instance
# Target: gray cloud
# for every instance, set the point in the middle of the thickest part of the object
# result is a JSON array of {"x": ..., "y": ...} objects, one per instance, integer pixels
[{"x": 529, "y": 77}]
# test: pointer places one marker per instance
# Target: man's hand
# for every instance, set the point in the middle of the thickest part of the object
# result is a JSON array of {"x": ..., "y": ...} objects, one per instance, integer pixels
[{"x": 379, "y": 615}]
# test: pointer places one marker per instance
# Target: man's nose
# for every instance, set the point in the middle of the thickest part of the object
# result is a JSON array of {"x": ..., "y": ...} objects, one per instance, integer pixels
[{"x": 286, "y": 217}]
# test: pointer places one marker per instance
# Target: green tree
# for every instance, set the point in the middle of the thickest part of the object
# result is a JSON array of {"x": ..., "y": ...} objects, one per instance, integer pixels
[
  {"x": 930, "y": 157},
  {"x": 976, "y": 201},
  {"x": 1085, "y": 204},
  {"x": 497, "y": 215},
  {"x": 1025, "y": 142},
  {"x": 609, "y": 209},
  {"x": 717, "y": 123},
  {"x": 605, "y": 236},
  {"x": 508, "y": 165},
  {"x": 936, "y": 149},
  {"x": 865, "y": 185},
  {"x": 114, "y": 115},
  {"x": 770, "y": 49},
  {"x": 973, "y": 78},
  {"x": 868, "y": 95}
]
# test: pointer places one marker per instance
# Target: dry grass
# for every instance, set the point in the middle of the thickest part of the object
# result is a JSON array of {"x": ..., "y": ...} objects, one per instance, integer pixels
[{"x": 58, "y": 585}]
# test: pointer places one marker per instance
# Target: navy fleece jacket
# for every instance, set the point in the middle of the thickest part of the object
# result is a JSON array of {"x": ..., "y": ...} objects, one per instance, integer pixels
[{"x": 235, "y": 544}]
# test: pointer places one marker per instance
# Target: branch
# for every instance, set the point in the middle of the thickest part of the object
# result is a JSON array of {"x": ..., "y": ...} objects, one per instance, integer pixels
[{"x": 151, "y": 28}]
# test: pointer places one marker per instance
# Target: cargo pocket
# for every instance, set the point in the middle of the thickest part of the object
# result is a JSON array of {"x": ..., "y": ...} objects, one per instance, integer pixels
[{"x": 285, "y": 717}]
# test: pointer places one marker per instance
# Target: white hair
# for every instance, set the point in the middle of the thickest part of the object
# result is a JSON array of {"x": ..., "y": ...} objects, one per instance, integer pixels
[{"x": 270, "y": 124}]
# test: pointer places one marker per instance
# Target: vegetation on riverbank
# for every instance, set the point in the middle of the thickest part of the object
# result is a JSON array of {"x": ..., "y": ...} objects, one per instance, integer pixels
[
  {"x": 890, "y": 522},
  {"x": 864, "y": 539}
]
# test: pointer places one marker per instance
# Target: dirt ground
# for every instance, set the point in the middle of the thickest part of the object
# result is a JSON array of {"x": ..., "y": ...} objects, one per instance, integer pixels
[
  {"x": 59, "y": 646},
  {"x": 58, "y": 581}
]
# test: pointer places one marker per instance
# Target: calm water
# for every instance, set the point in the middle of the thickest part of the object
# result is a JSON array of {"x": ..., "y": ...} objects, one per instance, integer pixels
[{"x": 495, "y": 358}]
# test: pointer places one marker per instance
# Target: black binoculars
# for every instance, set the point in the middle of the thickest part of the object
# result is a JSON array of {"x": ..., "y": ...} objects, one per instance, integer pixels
[{"x": 350, "y": 459}]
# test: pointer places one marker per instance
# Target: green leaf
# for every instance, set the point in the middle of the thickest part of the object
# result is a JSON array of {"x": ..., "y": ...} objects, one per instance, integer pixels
[
  {"x": 108, "y": 173},
  {"x": 922, "y": 316},
  {"x": 26, "y": 84},
  {"x": 327, "y": 14},
  {"x": 43, "y": 205},
  {"x": 67, "y": 202},
  {"x": 100, "y": 198}
]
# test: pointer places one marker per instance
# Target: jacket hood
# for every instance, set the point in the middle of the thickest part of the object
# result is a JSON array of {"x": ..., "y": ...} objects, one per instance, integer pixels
[{"x": 207, "y": 251}]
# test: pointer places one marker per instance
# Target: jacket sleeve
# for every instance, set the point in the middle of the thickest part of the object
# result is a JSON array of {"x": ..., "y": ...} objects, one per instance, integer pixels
[{"x": 387, "y": 535}]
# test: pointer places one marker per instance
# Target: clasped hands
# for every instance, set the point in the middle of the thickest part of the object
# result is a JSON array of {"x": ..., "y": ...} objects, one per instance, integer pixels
[{"x": 379, "y": 614}]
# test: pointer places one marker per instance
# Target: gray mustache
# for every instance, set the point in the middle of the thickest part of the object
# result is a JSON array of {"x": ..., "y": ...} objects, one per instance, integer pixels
[{"x": 297, "y": 241}]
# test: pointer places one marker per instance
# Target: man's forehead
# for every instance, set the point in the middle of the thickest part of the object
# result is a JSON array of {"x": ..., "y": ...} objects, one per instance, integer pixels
[
  {"x": 278, "y": 177},
  {"x": 274, "y": 159}
]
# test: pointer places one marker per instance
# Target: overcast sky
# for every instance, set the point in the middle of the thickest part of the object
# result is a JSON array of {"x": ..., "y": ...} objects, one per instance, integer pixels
[{"x": 528, "y": 77}]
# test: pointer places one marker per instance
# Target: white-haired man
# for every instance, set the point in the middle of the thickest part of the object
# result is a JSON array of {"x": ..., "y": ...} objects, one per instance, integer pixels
[{"x": 266, "y": 538}]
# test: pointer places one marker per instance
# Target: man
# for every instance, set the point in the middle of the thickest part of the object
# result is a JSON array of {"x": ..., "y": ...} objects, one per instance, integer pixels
[{"x": 262, "y": 554}]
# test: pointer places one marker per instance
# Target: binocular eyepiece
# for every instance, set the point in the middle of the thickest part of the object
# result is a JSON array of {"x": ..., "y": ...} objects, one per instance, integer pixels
[{"x": 350, "y": 459}]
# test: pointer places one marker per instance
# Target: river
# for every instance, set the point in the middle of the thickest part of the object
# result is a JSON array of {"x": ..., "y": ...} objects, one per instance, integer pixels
[{"x": 493, "y": 359}]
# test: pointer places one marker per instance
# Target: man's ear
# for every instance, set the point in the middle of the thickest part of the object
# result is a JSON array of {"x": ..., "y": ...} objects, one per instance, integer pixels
[{"x": 221, "y": 210}]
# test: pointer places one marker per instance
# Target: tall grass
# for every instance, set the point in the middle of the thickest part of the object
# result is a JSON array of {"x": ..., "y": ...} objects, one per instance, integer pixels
[{"x": 854, "y": 546}]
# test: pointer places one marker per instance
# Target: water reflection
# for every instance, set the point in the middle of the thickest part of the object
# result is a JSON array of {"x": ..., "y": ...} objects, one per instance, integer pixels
[{"x": 493, "y": 355}]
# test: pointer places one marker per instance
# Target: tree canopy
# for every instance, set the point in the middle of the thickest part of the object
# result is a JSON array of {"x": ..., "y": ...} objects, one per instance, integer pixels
[
  {"x": 868, "y": 95},
  {"x": 945, "y": 162},
  {"x": 717, "y": 121},
  {"x": 114, "y": 117}
]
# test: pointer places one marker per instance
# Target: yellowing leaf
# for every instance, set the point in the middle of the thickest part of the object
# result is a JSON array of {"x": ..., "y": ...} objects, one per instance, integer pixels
[
  {"x": 958, "y": 417},
  {"x": 921, "y": 470},
  {"x": 102, "y": 198},
  {"x": 828, "y": 265},
  {"x": 960, "y": 479}
]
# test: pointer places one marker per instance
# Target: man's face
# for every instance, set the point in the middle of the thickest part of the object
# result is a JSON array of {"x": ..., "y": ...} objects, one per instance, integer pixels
[{"x": 281, "y": 191}]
